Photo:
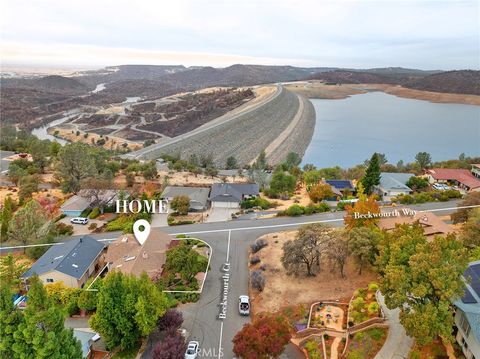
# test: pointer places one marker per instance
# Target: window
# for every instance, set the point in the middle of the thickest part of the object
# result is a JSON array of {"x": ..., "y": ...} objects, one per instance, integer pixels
[
  {"x": 464, "y": 325},
  {"x": 49, "y": 280}
]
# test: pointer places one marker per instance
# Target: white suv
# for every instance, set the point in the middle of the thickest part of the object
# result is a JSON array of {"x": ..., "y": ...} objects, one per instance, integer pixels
[
  {"x": 244, "y": 305},
  {"x": 79, "y": 220}
]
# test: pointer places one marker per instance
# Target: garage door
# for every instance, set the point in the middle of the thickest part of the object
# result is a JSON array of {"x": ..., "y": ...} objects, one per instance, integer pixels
[{"x": 225, "y": 205}]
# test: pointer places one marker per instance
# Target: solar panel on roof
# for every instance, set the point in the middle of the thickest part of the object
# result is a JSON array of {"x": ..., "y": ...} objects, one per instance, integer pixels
[{"x": 468, "y": 298}]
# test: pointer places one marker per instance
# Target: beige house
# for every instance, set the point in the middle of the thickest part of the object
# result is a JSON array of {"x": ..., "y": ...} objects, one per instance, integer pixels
[
  {"x": 128, "y": 256},
  {"x": 72, "y": 262}
]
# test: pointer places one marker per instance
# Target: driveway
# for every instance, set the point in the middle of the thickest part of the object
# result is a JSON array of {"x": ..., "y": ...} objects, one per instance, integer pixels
[
  {"x": 159, "y": 220},
  {"x": 398, "y": 344},
  {"x": 220, "y": 214},
  {"x": 81, "y": 229}
]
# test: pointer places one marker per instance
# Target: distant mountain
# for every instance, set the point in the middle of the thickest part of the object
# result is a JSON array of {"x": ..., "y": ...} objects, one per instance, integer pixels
[
  {"x": 357, "y": 77},
  {"x": 53, "y": 84},
  {"x": 239, "y": 75},
  {"x": 461, "y": 81}
]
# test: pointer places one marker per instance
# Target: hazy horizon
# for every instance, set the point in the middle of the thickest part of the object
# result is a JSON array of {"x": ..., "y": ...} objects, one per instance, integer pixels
[{"x": 428, "y": 35}]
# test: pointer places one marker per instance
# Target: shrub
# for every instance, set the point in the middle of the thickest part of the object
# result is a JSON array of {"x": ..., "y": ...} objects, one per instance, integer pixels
[
  {"x": 258, "y": 244},
  {"x": 406, "y": 199},
  {"x": 358, "y": 303},
  {"x": 254, "y": 260},
  {"x": 63, "y": 229},
  {"x": 453, "y": 193},
  {"x": 355, "y": 354},
  {"x": 258, "y": 280},
  {"x": 372, "y": 287},
  {"x": 92, "y": 226},
  {"x": 94, "y": 213},
  {"x": 373, "y": 308},
  {"x": 358, "y": 317},
  {"x": 443, "y": 198},
  {"x": 294, "y": 210},
  {"x": 172, "y": 319},
  {"x": 376, "y": 333},
  {"x": 256, "y": 202},
  {"x": 341, "y": 205}
]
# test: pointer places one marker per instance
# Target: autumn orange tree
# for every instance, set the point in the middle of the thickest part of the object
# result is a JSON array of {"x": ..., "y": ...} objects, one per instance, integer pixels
[
  {"x": 364, "y": 205},
  {"x": 266, "y": 337},
  {"x": 320, "y": 191}
]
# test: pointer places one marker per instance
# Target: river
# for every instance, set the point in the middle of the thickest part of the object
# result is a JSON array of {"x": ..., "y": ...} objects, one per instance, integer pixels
[
  {"x": 349, "y": 131},
  {"x": 42, "y": 133}
]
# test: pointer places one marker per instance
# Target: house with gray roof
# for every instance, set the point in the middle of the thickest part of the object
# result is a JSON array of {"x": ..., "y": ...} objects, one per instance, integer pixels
[
  {"x": 75, "y": 205},
  {"x": 229, "y": 195},
  {"x": 393, "y": 184},
  {"x": 72, "y": 262},
  {"x": 467, "y": 313},
  {"x": 198, "y": 196}
]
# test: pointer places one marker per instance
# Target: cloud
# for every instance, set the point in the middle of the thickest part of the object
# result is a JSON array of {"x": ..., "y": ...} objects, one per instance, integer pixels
[{"x": 325, "y": 33}]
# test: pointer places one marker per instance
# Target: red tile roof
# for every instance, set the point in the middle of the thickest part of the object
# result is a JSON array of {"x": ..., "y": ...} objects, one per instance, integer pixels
[{"x": 462, "y": 176}]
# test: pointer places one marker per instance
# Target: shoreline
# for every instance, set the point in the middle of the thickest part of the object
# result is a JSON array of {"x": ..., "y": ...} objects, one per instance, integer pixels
[{"x": 319, "y": 90}]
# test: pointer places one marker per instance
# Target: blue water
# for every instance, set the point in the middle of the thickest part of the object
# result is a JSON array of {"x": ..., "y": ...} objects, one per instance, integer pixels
[{"x": 350, "y": 130}]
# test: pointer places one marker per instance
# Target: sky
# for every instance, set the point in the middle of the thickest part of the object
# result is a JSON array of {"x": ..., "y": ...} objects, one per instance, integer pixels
[{"x": 421, "y": 34}]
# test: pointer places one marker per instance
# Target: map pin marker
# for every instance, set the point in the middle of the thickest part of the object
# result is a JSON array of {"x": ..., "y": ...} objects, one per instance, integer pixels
[{"x": 141, "y": 236}]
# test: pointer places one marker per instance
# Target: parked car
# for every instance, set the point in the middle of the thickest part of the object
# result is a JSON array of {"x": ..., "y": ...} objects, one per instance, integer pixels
[
  {"x": 438, "y": 186},
  {"x": 79, "y": 220},
  {"x": 192, "y": 350},
  {"x": 244, "y": 305}
]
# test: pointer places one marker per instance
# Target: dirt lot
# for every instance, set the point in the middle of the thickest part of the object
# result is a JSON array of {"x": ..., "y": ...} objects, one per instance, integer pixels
[
  {"x": 112, "y": 142},
  {"x": 281, "y": 289},
  {"x": 300, "y": 197}
]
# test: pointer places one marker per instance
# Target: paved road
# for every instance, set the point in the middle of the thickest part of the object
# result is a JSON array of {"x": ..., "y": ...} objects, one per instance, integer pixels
[{"x": 201, "y": 318}]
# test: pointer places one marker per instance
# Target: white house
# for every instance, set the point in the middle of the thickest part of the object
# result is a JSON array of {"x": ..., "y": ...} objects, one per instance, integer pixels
[{"x": 393, "y": 184}]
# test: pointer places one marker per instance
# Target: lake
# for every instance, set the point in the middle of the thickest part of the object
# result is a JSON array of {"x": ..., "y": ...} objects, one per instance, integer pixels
[{"x": 350, "y": 130}]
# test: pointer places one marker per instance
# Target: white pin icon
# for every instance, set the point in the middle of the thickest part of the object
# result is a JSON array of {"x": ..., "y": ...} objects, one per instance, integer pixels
[{"x": 141, "y": 236}]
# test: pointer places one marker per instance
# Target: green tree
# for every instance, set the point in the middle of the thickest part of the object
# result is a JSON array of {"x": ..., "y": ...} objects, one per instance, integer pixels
[
  {"x": 76, "y": 161},
  {"x": 417, "y": 183},
  {"x": 372, "y": 174},
  {"x": 211, "y": 171},
  {"x": 180, "y": 204},
  {"x": 151, "y": 305},
  {"x": 42, "y": 335},
  {"x": 10, "y": 320},
  {"x": 261, "y": 161},
  {"x": 150, "y": 171},
  {"x": 470, "y": 234},
  {"x": 11, "y": 269},
  {"x": 422, "y": 278},
  {"x": 28, "y": 185},
  {"x": 29, "y": 224},
  {"x": 231, "y": 163},
  {"x": 363, "y": 242},
  {"x": 7, "y": 213},
  {"x": 15, "y": 173},
  {"x": 282, "y": 184},
  {"x": 127, "y": 309},
  {"x": 292, "y": 160},
  {"x": 184, "y": 260},
  {"x": 39, "y": 151},
  {"x": 423, "y": 159}
]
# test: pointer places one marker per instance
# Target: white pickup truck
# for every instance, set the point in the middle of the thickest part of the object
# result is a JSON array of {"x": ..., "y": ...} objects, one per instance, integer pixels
[{"x": 244, "y": 305}]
